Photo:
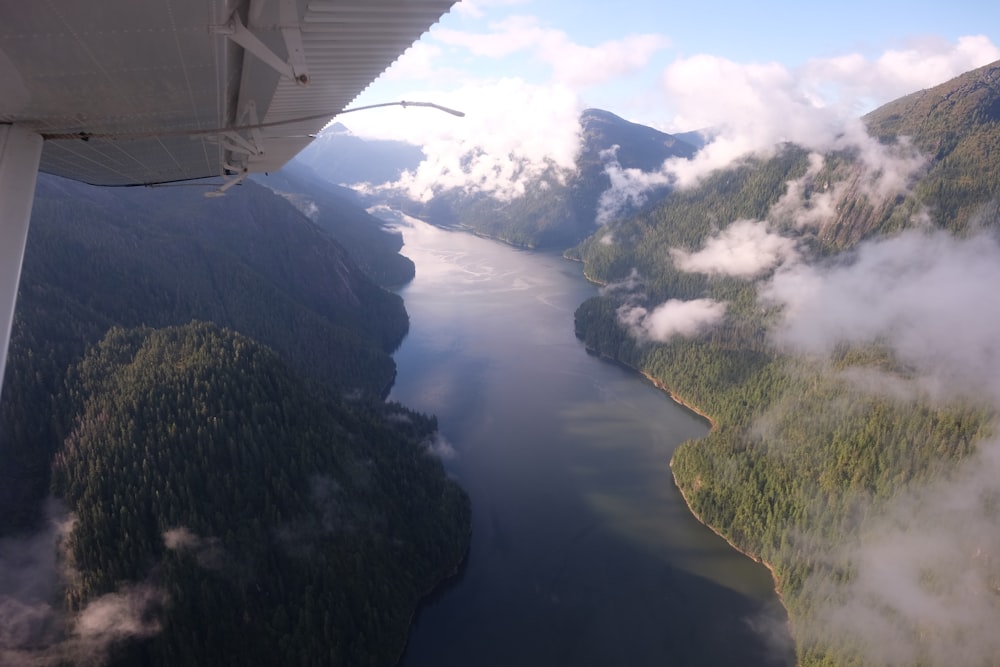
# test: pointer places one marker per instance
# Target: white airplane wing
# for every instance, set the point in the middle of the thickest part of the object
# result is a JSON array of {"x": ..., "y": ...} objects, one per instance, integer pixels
[{"x": 132, "y": 92}]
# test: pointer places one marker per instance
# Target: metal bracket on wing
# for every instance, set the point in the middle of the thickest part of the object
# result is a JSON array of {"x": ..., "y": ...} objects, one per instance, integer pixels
[
  {"x": 295, "y": 67},
  {"x": 234, "y": 142},
  {"x": 239, "y": 149},
  {"x": 229, "y": 182}
]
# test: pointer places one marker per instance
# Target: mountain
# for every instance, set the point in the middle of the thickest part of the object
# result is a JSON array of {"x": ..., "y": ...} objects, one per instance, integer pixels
[
  {"x": 556, "y": 211},
  {"x": 98, "y": 258},
  {"x": 952, "y": 129},
  {"x": 697, "y": 138},
  {"x": 560, "y": 209},
  {"x": 342, "y": 158},
  {"x": 340, "y": 212},
  {"x": 773, "y": 296},
  {"x": 955, "y": 124},
  {"x": 206, "y": 378},
  {"x": 639, "y": 146}
]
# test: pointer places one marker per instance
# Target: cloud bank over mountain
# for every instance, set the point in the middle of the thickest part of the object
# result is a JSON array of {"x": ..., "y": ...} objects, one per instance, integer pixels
[{"x": 519, "y": 127}]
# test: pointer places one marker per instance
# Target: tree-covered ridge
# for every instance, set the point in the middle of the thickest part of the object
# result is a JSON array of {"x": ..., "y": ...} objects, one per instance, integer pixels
[
  {"x": 802, "y": 461},
  {"x": 813, "y": 458},
  {"x": 241, "y": 492},
  {"x": 338, "y": 211},
  {"x": 281, "y": 527},
  {"x": 98, "y": 258},
  {"x": 251, "y": 261},
  {"x": 957, "y": 124}
]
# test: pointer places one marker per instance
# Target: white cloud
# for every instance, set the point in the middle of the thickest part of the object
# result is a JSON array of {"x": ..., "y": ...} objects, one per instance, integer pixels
[
  {"x": 518, "y": 33},
  {"x": 929, "y": 295},
  {"x": 769, "y": 102},
  {"x": 672, "y": 318},
  {"x": 806, "y": 206},
  {"x": 628, "y": 187},
  {"x": 517, "y": 127},
  {"x": 441, "y": 447},
  {"x": 630, "y": 287},
  {"x": 514, "y": 131},
  {"x": 180, "y": 539},
  {"x": 754, "y": 107},
  {"x": 578, "y": 65},
  {"x": 419, "y": 62},
  {"x": 746, "y": 248},
  {"x": 208, "y": 551},
  {"x": 477, "y": 8},
  {"x": 572, "y": 64},
  {"x": 862, "y": 84},
  {"x": 757, "y": 107},
  {"x": 35, "y": 630},
  {"x": 512, "y": 134},
  {"x": 116, "y": 616},
  {"x": 29, "y": 581}
]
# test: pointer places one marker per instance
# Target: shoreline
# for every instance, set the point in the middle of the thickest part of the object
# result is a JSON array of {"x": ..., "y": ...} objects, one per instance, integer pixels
[
  {"x": 678, "y": 400},
  {"x": 687, "y": 503},
  {"x": 435, "y": 588},
  {"x": 753, "y": 557},
  {"x": 456, "y": 570},
  {"x": 660, "y": 385},
  {"x": 757, "y": 559}
]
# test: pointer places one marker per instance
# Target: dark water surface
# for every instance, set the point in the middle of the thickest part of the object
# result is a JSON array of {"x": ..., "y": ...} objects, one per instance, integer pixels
[{"x": 583, "y": 552}]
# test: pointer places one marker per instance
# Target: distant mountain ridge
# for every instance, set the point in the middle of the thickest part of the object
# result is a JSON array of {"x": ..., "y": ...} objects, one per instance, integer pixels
[
  {"x": 639, "y": 146},
  {"x": 341, "y": 157},
  {"x": 557, "y": 211}
]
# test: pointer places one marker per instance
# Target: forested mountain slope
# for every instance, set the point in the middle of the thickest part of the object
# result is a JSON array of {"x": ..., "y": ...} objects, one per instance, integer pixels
[
  {"x": 271, "y": 524},
  {"x": 243, "y": 435},
  {"x": 830, "y": 312},
  {"x": 339, "y": 211},
  {"x": 956, "y": 126},
  {"x": 98, "y": 258}
]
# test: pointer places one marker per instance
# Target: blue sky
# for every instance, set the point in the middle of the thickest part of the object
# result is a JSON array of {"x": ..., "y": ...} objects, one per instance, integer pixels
[
  {"x": 792, "y": 34},
  {"x": 764, "y": 72}
]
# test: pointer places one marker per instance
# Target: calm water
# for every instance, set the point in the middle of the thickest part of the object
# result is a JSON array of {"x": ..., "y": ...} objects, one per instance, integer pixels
[{"x": 583, "y": 552}]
